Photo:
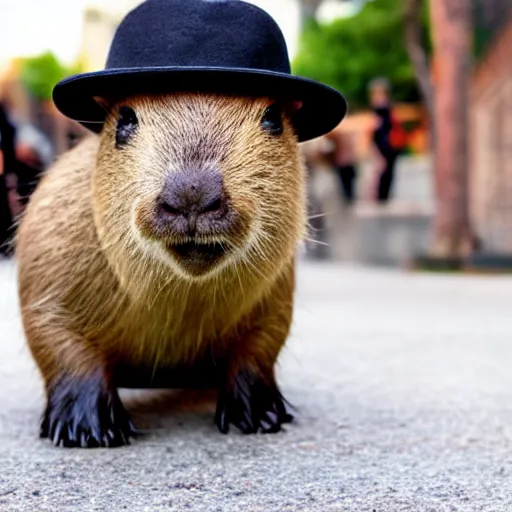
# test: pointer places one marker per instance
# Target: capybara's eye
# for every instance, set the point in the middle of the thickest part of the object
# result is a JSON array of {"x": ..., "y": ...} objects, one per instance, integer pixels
[
  {"x": 126, "y": 126},
  {"x": 272, "y": 121}
]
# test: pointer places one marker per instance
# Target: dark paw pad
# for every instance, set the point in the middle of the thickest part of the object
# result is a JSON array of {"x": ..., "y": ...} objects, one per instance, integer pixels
[
  {"x": 85, "y": 413},
  {"x": 253, "y": 405}
]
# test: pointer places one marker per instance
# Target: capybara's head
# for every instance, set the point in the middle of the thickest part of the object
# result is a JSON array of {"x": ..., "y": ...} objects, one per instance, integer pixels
[{"x": 202, "y": 183}]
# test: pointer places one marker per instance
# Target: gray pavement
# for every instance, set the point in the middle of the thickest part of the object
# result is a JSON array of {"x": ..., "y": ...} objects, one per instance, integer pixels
[{"x": 403, "y": 385}]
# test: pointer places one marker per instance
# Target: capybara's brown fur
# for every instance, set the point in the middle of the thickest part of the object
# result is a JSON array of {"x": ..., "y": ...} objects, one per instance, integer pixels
[{"x": 101, "y": 286}]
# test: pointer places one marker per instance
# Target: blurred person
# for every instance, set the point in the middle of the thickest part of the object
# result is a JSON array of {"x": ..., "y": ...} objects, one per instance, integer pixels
[
  {"x": 7, "y": 164},
  {"x": 344, "y": 161},
  {"x": 34, "y": 154},
  {"x": 388, "y": 136},
  {"x": 25, "y": 154}
]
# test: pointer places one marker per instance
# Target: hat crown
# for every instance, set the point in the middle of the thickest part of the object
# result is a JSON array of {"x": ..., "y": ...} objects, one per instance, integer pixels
[{"x": 199, "y": 33}]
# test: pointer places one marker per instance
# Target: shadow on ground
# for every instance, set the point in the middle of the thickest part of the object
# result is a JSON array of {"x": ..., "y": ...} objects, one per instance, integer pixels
[{"x": 170, "y": 409}]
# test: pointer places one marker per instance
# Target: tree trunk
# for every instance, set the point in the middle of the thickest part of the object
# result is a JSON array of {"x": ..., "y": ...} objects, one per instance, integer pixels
[
  {"x": 451, "y": 33},
  {"x": 420, "y": 61}
]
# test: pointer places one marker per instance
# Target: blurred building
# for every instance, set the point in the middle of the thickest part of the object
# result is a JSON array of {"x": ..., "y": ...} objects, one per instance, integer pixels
[
  {"x": 99, "y": 25},
  {"x": 491, "y": 126}
]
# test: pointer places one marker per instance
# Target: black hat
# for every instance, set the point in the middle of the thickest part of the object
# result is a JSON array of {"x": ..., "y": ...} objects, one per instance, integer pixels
[{"x": 226, "y": 46}]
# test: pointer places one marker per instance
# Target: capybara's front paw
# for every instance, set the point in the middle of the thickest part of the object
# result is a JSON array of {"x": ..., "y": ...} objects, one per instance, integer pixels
[
  {"x": 82, "y": 412},
  {"x": 252, "y": 405}
]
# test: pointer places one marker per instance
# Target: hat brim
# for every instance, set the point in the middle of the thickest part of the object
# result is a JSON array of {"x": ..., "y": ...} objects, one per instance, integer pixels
[{"x": 323, "y": 107}]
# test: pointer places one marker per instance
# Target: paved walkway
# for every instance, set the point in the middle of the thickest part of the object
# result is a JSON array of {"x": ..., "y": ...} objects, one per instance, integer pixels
[{"x": 404, "y": 389}]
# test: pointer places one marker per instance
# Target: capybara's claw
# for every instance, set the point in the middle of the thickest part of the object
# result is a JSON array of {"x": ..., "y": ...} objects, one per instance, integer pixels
[
  {"x": 252, "y": 405},
  {"x": 83, "y": 413}
]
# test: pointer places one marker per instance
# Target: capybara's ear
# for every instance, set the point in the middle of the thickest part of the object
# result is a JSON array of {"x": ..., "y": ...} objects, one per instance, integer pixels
[
  {"x": 295, "y": 106},
  {"x": 292, "y": 109},
  {"x": 103, "y": 103}
]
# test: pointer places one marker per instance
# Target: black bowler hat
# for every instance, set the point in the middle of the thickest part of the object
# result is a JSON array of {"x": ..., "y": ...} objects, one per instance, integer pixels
[{"x": 224, "y": 46}]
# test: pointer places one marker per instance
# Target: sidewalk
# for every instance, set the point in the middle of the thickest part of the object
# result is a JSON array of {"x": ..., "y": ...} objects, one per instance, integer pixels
[{"x": 404, "y": 395}]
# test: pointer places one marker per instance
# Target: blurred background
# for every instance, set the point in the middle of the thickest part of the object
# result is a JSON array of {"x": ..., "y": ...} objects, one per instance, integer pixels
[{"x": 420, "y": 171}]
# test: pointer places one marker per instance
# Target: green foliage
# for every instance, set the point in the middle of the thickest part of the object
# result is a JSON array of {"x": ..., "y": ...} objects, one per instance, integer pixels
[
  {"x": 349, "y": 52},
  {"x": 40, "y": 74}
]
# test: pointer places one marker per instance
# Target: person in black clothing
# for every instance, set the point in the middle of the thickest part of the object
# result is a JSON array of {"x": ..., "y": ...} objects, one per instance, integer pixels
[
  {"x": 7, "y": 135},
  {"x": 6, "y": 220},
  {"x": 380, "y": 102},
  {"x": 344, "y": 161}
]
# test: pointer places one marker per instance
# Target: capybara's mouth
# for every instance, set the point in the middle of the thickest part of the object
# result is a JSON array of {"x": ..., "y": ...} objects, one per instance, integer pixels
[{"x": 196, "y": 252}]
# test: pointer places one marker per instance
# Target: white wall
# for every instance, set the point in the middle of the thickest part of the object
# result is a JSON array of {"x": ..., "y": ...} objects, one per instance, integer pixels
[
  {"x": 287, "y": 15},
  {"x": 29, "y": 27}
]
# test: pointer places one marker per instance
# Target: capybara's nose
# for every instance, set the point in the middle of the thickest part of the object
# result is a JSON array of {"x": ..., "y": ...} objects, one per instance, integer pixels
[{"x": 192, "y": 194}]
